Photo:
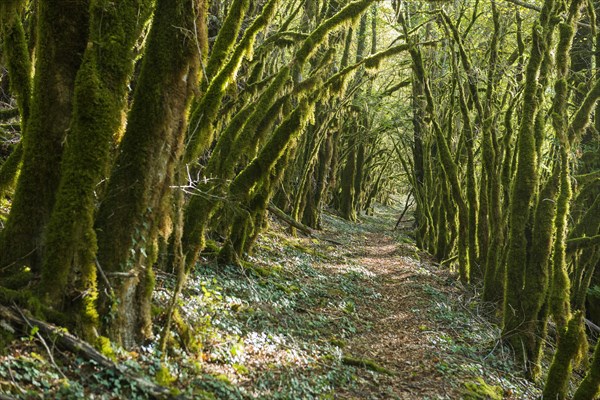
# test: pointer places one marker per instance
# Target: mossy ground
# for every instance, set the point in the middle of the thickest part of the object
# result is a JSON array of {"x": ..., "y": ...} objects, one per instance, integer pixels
[{"x": 285, "y": 324}]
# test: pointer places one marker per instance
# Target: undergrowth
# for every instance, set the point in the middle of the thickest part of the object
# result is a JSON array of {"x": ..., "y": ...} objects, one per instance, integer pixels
[{"x": 277, "y": 327}]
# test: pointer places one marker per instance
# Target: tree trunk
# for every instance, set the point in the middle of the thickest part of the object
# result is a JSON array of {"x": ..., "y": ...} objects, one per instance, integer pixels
[
  {"x": 61, "y": 39},
  {"x": 138, "y": 187}
]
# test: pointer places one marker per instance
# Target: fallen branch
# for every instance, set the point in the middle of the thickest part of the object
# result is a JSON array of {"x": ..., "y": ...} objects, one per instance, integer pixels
[
  {"x": 407, "y": 204},
  {"x": 367, "y": 364},
  {"x": 72, "y": 343},
  {"x": 277, "y": 212},
  {"x": 289, "y": 220}
]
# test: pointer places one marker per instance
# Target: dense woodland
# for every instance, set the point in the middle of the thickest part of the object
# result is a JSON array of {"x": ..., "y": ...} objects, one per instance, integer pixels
[{"x": 138, "y": 135}]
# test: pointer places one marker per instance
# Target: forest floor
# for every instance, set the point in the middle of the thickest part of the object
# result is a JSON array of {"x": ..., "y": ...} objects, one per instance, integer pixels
[{"x": 356, "y": 313}]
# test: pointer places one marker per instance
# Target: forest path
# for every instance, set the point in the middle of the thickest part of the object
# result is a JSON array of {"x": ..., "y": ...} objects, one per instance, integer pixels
[
  {"x": 429, "y": 339},
  {"x": 396, "y": 338}
]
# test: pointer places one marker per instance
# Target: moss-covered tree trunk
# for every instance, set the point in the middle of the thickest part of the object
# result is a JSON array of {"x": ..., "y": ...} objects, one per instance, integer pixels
[
  {"x": 359, "y": 177},
  {"x": 347, "y": 194},
  {"x": 450, "y": 169},
  {"x": 419, "y": 130},
  {"x": 18, "y": 64},
  {"x": 137, "y": 190},
  {"x": 312, "y": 216},
  {"x": 61, "y": 39},
  {"x": 351, "y": 177},
  {"x": 206, "y": 109},
  {"x": 489, "y": 258},
  {"x": 69, "y": 269},
  {"x": 551, "y": 206},
  {"x": 233, "y": 144},
  {"x": 570, "y": 338},
  {"x": 471, "y": 185},
  {"x": 523, "y": 191},
  {"x": 250, "y": 180},
  {"x": 589, "y": 388},
  {"x": 585, "y": 259}
]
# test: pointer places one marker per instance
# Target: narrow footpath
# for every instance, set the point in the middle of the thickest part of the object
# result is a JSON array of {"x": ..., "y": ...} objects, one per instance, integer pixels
[{"x": 431, "y": 340}]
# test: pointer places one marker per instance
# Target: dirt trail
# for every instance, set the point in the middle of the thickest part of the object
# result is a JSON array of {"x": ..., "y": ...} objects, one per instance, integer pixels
[
  {"x": 396, "y": 338},
  {"x": 421, "y": 329}
]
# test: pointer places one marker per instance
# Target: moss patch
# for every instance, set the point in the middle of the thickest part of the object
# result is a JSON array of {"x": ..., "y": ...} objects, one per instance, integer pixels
[{"x": 480, "y": 390}]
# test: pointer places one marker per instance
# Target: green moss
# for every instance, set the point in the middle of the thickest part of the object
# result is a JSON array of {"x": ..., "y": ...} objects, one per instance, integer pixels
[
  {"x": 589, "y": 388},
  {"x": 367, "y": 364},
  {"x": 164, "y": 377},
  {"x": 338, "y": 342},
  {"x": 18, "y": 279},
  {"x": 8, "y": 8},
  {"x": 538, "y": 274},
  {"x": 217, "y": 165},
  {"x": 100, "y": 94},
  {"x": 451, "y": 172},
  {"x": 138, "y": 189},
  {"x": 211, "y": 247},
  {"x": 7, "y": 296},
  {"x": 348, "y": 193},
  {"x": 257, "y": 269},
  {"x": 311, "y": 44},
  {"x": 259, "y": 168},
  {"x": 571, "y": 343},
  {"x": 186, "y": 333},
  {"x": 373, "y": 62},
  {"x": 60, "y": 44},
  {"x": 473, "y": 228},
  {"x": 104, "y": 346},
  {"x": 248, "y": 223},
  {"x": 581, "y": 118},
  {"x": 207, "y": 109},
  {"x": 480, "y": 390},
  {"x": 561, "y": 286},
  {"x": 226, "y": 37},
  {"x": 237, "y": 140},
  {"x": 582, "y": 242},
  {"x": 16, "y": 54},
  {"x": 9, "y": 171},
  {"x": 524, "y": 187}
]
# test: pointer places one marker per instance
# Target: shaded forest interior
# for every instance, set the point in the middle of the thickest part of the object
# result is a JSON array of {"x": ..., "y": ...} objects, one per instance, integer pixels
[{"x": 150, "y": 144}]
